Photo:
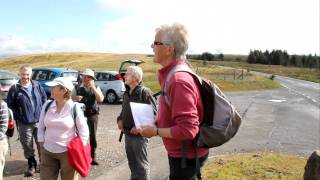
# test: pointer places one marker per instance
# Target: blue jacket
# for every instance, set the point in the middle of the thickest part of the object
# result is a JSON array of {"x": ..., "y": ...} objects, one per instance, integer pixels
[{"x": 20, "y": 102}]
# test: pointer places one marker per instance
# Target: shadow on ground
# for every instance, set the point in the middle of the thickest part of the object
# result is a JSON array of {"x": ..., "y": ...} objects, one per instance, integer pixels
[{"x": 14, "y": 167}]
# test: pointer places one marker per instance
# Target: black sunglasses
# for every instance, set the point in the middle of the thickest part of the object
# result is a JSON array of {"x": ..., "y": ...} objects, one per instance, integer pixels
[{"x": 157, "y": 43}]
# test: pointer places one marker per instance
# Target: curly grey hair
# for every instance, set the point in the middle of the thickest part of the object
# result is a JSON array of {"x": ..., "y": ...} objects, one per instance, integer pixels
[{"x": 177, "y": 36}]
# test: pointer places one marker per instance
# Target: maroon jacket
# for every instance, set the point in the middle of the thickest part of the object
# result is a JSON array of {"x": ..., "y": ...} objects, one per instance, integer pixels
[{"x": 184, "y": 114}]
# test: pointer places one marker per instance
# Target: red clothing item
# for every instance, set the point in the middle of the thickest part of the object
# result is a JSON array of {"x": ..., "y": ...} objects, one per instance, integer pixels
[{"x": 183, "y": 115}]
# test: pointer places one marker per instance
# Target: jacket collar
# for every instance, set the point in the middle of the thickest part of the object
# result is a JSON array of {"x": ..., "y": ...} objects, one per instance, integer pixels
[
  {"x": 69, "y": 103},
  {"x": 165, "y": 70}
]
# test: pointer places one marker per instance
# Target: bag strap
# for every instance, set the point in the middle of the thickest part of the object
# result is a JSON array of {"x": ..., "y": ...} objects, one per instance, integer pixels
[
  {"x": 17, "y": 88},
  {"x": 177, "y": 68},
  {"x": 141, "y": 94},
  {"x": 74, "y": 116},
  {"x": 47, "y": 106}
]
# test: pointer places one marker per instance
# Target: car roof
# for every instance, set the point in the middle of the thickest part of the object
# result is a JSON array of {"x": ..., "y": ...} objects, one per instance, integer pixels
[
  {"x": 110, "y": 72},
  {"x": 56, "y": 69},
  {"x": 134, "y": 61},
  {"x": 4, "y": 74}
]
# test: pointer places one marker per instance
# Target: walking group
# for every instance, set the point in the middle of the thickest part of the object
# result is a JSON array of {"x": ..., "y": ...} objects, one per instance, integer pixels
[{"x": 51, "y": 123}]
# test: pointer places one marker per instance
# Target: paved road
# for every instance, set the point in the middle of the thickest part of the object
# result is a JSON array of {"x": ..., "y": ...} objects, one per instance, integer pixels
[{"x": 309, "y": 90}]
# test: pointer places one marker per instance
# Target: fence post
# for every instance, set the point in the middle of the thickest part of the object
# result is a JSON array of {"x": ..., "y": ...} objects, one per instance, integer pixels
[{"x": 242, "y": 75}]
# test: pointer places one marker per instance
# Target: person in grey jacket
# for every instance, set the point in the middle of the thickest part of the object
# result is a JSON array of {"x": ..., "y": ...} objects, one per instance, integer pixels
[
  {"x": 26, "y": 99},
  {"x": 135, "y": 144}
]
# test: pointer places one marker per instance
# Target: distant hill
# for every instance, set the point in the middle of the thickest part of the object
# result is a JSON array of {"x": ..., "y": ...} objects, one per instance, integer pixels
[{"x": 75, "y": 60}]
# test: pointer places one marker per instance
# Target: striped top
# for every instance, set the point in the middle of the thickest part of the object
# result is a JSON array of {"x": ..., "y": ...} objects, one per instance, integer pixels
[{"x": 4, "y": 118}]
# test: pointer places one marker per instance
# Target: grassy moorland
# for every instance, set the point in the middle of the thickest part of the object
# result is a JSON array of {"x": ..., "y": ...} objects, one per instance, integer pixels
[
  {"x": 250, "y": 166},
  {"x": 309, "y": 74},
  {"x": 228, "y": 79}
]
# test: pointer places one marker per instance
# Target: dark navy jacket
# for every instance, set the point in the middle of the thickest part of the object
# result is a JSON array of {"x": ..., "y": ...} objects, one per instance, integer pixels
[{"x": 21, "y": 105}]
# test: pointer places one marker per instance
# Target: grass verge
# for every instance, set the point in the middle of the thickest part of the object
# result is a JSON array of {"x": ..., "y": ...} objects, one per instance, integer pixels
[
  {"x": 309, "y": 74},
  {"x": 251, "y": 166}
]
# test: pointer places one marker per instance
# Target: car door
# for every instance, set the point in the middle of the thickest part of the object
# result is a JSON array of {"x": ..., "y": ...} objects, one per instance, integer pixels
[
  {"x": 124, "y": 65},
  {"x": 103, "y": 81},
  {"x": 43, "y": 76}
]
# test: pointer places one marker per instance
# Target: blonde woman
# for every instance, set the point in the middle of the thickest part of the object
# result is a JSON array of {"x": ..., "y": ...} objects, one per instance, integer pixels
[{"x": 57, "y": 128}]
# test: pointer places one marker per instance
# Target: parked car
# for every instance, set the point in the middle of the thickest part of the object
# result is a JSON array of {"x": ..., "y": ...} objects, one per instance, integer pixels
[
  {"x": 7, "y": 79},
  {"x": 124, "y": 65},
  {"x": 111, "y": 84},
  {"x": 43, "y": 75}
]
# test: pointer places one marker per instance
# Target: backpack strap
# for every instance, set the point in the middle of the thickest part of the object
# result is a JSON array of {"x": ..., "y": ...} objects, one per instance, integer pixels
[
  {"x": 177, "y": 68},
  {"x": 141, "y": 94},
  {"x": 17, "y": 88},
  {"x": 47, "y": 106},
  {"x": 74, "y": 116}
]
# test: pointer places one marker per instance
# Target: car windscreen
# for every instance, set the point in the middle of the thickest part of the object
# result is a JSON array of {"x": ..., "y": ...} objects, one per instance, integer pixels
[
  {"x": 72, "y": 75},
  {"x": 7, "y": 79}
]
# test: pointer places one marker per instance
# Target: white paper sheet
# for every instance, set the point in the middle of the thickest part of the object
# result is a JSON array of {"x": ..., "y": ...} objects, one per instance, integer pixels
[{"x": 142, "y": 114}]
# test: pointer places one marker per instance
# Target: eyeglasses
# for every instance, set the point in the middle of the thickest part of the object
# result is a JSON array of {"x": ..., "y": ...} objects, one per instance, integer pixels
[{"x": 157, "y": 43}]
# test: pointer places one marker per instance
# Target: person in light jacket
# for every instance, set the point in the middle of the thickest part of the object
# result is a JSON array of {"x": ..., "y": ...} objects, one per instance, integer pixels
[{"x": 57, "y": 128}]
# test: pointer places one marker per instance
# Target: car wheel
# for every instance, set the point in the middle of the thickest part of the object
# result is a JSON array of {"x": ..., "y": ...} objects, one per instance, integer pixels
[{"x": 111, "y": 97}]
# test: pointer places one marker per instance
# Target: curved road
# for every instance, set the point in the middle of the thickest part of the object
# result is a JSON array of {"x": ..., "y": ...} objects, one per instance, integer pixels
[{"x": 283, "y": 120}]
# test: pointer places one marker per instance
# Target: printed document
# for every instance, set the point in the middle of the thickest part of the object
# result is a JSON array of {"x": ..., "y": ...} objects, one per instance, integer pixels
[{"x": 142, "y": 114}]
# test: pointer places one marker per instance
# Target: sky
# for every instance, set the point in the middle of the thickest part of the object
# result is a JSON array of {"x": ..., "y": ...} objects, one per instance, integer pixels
[{"x": 128, "y": 26}]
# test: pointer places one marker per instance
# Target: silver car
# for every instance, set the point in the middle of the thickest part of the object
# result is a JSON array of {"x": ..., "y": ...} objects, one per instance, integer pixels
[
  {"x": 7, "y": 79},
  {"x": 111, "y": 84}
]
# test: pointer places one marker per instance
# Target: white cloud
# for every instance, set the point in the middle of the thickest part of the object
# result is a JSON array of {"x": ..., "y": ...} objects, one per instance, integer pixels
[
  {"x": 13, "y": 44},
  {"x": 230, "y": 26}
]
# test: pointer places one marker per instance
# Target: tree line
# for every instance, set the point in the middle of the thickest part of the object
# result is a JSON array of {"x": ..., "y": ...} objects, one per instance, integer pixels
[
  {"x": 275, "y": 57},
  {"x": 206, "y": 56},
  {"x": 280, "y": 57}
]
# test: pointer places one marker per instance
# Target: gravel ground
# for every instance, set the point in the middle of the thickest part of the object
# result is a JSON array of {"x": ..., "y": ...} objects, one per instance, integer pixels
[{"x": 109, "y": 152}]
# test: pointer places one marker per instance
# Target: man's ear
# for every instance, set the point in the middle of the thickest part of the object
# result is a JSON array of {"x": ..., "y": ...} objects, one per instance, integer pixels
[{"x": 171, "y": 51}]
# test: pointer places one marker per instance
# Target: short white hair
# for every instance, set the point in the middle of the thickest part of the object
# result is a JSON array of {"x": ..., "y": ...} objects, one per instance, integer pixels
[
  {"x": 177, "y": 36},
  {"x": 136, "y": 72},
  {"x": 24, "y": 67}
]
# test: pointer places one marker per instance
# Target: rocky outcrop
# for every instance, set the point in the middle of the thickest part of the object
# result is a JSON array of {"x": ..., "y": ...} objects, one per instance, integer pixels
[{"x": 312, "y": 168}]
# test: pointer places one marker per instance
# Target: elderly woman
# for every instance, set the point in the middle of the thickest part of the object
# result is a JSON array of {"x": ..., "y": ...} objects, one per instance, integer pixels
[{"x": 57, "y": 128}]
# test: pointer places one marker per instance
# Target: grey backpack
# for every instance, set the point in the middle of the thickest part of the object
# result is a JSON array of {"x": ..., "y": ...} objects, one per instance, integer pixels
[{"x": 221, "y": 121}]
